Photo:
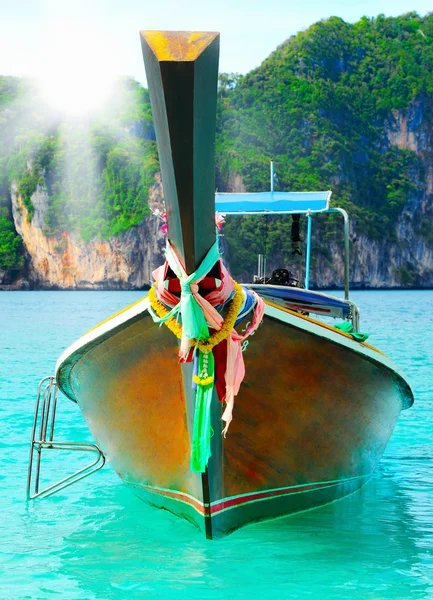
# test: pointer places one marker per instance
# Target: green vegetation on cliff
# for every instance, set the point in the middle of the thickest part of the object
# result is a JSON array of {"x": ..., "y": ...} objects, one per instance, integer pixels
[
  {"x": 322, "y": 106},
  {"x": 95, "y": 173},
  {"x": 98, "y": 174},
  {"x": 10, "y": 242}
]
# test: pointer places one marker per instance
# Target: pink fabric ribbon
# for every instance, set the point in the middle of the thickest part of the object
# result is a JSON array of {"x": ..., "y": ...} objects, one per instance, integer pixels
[
  {"x": 215, "y": 297},
  {"x": 235, "y": 367}
]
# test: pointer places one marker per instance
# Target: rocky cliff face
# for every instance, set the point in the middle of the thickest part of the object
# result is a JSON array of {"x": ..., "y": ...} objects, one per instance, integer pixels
[
  {"x": 408, "y": 260},
  {"x": 125, "y": 262},
  {"x": 66, "y": 262},
  {"x": 406, "y": 264}
]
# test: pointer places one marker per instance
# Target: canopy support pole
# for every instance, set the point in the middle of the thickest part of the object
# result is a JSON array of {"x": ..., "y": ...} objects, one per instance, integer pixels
[
  {"x": 307, "y": 266},
  {"x": 346, "y": 248},
  {"x": 272, "y": 175}
]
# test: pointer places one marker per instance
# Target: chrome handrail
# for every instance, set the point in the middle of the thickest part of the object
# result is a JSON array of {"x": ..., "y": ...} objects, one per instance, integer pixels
[{"x": 45, "y": 417}]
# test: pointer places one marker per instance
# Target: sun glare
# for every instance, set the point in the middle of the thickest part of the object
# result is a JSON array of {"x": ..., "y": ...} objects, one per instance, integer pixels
[
  {"x": 75, "y": 93},
  {"x": 75, "y": 78}
]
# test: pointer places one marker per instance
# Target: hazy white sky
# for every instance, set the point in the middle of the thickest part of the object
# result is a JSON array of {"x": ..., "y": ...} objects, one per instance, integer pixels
[{"x": 40, "y": 36}]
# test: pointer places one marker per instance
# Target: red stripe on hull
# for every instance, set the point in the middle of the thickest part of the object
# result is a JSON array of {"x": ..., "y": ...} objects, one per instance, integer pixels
[
  {"x": 199, "y": 506},
  {"x": 232, "y": 502},
  {"x": 227, "y": 503}
]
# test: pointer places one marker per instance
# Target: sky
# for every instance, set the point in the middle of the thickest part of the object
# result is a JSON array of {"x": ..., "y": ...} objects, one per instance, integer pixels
[{"x": 55, "y": 37}]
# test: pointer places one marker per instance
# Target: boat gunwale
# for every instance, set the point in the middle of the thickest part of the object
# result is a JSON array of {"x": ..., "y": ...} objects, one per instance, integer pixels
[{"x": 126, "y": 317}]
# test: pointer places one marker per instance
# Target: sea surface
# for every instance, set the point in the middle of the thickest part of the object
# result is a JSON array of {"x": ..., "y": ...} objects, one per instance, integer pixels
[{"x": 95, "y": 540}]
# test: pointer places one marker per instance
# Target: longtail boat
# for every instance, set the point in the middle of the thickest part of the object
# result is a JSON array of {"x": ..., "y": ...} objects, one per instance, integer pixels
[{"x": 228, "y": 404}]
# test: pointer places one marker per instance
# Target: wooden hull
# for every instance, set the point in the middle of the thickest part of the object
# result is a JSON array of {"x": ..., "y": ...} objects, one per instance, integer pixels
[{"x": 311, "y": 422}]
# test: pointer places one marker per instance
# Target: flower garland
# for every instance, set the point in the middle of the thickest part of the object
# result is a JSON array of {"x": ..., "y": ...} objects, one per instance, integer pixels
[
  {"x": 203, "y": 378},
  {"x": 216, "y": 337}
]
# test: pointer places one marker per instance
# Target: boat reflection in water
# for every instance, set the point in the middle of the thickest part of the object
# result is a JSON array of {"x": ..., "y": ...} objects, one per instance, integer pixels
[{"x": 316, "y": 405}]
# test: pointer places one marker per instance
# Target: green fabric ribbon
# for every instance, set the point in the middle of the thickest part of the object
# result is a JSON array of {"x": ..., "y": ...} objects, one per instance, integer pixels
[
  {"x": 201, "y": 435},
  {"x": 194, "y": 325},
  {"x": 348, "y": 328},
  {"x": 193, "y": 320}
]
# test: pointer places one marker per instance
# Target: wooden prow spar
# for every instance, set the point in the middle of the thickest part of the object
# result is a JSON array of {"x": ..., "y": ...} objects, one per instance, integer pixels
[
  {"x": 315, "y": 409},
  {"x": 182, "y": 75}
]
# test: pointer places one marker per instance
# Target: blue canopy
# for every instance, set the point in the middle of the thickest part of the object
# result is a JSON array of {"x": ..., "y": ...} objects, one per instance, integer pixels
[{"x": 272, "y": 202}]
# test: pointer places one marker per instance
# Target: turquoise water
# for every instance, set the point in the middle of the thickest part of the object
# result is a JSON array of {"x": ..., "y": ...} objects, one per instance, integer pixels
[{"x": 95, "y": 540}]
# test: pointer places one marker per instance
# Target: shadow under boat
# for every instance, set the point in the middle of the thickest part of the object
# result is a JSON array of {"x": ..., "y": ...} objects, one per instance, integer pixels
[{"x": 316, "y": 407}]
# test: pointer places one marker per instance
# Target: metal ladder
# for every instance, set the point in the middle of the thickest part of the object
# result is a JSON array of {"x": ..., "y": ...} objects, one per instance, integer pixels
[{"x": 44, "y": 420}]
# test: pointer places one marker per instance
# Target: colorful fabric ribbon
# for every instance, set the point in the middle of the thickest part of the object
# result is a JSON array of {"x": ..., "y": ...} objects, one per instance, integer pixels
[
  {"x": 202, "y": 430},
  {"x": 198, "y": 314},
  {"x": 347, "y": 327}
]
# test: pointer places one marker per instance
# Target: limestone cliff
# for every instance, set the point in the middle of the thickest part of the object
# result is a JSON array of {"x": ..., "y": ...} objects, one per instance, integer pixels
[
  {"x": 65, "y": 262},
  {"x": 407, "y": 261},
  {"x": 405, "y": 258}
]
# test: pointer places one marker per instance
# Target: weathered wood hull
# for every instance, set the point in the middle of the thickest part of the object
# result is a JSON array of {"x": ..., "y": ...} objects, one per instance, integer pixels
[{"x": 311, "y": 421}]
